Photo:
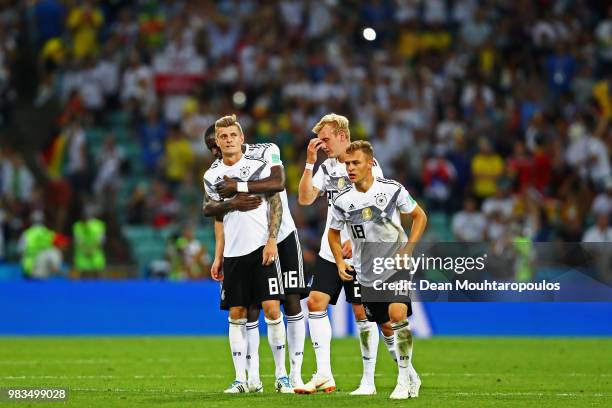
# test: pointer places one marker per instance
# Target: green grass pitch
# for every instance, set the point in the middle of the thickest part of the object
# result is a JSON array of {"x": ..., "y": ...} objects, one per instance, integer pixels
[{"x": 193, "y": 371}]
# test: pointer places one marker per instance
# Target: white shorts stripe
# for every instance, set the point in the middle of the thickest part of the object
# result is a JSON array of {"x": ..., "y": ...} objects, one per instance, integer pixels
[
  {"x": 280, "y": 276},
  {"x": 300, "y": 260}
]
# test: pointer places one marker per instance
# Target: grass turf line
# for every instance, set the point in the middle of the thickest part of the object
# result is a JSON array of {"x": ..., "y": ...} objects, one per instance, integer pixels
[{"x": 193, "y": 371}]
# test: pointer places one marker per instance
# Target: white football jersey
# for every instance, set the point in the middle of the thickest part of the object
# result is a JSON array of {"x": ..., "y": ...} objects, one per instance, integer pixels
[
  {"x": 373, "y": 216},
  {"x": 245, "y": 231},
  {"x": 332, "y": 178},
  {"x": 270, "y": 153}
]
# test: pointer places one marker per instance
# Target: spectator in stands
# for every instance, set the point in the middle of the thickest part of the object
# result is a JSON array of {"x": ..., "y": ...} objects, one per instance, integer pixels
[
  {"x": 85, "y": 21},
  {"x": 196, "y": 259},
  {"x": 40, "y": 258},
  {"x": 602, "y": 204},
  {"x": 17, "y": 182},
  {"x": 438, "y": 178},
  {"x": 469, "y": 224},
  {"x": 599, "y": 236},
  {"x": 77, "y": 166},
  {"x": 520, "y": 167},
  {"x": 138, "y": 88},
  {"x": 108, "y": 180},
  {"x": 89, "y": 235},
  {"x": 136, "y": 206},
  {"x": 162, "y": 207},
  {"x": 152, "y": 133},
  {"x": 587, "y": 154},
  {"x": 487, "y": 168},
  {"x": 501, "y": 203},
  {"x": 179, "y": 156}
]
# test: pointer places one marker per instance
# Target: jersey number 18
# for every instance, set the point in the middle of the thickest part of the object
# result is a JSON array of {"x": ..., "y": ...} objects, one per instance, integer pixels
[{"x": 358, "y": 231}]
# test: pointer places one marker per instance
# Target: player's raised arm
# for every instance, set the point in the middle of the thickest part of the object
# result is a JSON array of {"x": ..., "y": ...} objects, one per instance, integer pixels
[
  {"x": 275, "y": 215},
  {"x": 307, "y": 192}
]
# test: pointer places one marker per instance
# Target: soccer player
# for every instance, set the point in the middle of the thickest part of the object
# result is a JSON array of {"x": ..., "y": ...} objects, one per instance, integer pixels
[
  {"x": 374, "y": 211},
  {"x": 290, "y": 256},
  {"x": 251, "y": 267},
  {"x": 333, "y": 136}
]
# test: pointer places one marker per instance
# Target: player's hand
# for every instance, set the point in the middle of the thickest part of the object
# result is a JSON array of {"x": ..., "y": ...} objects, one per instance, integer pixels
[
  {"x": 245, "y": 202},
  {"x": 270, "y": 252},
  {"x": 347, "y": 249},
  {"x": 343, "y": 271},
  {"x": 216, "y": 271},
  {"x": 313, "y": 147},
  {"x": 228, "y": 187}
]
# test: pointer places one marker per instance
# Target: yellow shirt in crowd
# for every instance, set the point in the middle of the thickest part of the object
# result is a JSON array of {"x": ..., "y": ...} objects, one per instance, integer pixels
[{"x": 486, "y": 170}]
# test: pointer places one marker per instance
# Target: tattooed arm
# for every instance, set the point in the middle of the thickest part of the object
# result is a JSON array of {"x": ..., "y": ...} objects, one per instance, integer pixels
[{"x": 275, "y": 215}]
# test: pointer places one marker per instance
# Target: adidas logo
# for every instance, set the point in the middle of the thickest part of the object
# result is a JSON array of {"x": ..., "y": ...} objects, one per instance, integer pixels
[
  {"x": 218, "y": 179},
  {"x": 351, "y": 207}
]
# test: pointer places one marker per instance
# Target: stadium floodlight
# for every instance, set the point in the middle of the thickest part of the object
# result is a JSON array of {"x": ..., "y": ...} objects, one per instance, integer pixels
[
  {"x": 239, "y": 98},
  {"x": 369, "y": 34}
]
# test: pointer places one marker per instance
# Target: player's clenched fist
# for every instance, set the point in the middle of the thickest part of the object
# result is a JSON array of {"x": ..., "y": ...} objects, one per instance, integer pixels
[{"x": 313, "y": 147}]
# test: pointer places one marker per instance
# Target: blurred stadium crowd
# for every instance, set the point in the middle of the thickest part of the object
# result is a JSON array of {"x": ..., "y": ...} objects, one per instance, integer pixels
[{"x": 495, "y": 114}]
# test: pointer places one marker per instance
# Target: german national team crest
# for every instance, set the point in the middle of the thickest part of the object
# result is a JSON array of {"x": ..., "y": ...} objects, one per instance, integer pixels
[
  {"x": 381, "y": 199},
  {"x": 341, "y": 183},
  {"x": 244, "y": 172},
  {"x": 366, "y": 213}
]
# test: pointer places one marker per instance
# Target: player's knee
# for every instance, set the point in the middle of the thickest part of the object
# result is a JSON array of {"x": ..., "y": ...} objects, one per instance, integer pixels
[
  {"x": 271, "y": 310},
  {"x": 359, "y": 312},
  {"x": 292, "y": 305},
  {"x": 397, "y": 313},
  {"x": 253, "y": 313},
  {"x": 237, "y": 313},
  {"x": 315, "y": 303},
  {"x": 386, "y": 329}
]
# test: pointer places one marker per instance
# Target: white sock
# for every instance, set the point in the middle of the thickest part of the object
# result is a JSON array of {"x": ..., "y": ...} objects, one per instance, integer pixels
[
  {"x": 252, "y": 359},
  {"x": 296, "y": 332},
  {"x": 238, "y": 345},
  {"x": 276, "y": 338},
  {"x": 390, "y": 344},
  {"x": 368, "y": 341},
  {"x": 320, "y": 334},
  {"x": 403, "y": 349}
]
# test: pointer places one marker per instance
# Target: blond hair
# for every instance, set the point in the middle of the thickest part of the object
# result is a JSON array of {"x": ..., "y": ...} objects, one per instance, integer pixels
[
  {"x": 338, "y": 123},
  {"x": 227, "y": 121},
  {"x": 363, "y": 145}
]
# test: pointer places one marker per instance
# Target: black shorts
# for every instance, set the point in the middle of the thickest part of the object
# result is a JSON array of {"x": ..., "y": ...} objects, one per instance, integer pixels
[
  {"x": 292, "y": 266},
  {"x": 326, "y": 280},
  {"x": 378, "y": 312},
  {"x": 247, "y": 282}
]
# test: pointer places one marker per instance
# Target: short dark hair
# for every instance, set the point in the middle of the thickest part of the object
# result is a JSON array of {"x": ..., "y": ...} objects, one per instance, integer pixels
[{"x": 210, "y": 131}]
